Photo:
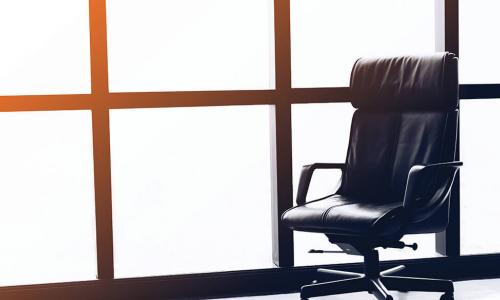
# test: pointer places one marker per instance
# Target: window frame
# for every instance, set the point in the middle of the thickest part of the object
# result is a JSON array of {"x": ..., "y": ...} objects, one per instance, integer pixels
[{"x": 284, "y": 279}]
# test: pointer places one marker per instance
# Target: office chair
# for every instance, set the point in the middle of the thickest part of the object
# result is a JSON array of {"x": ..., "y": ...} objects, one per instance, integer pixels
[{"x": 398, "y": 172}]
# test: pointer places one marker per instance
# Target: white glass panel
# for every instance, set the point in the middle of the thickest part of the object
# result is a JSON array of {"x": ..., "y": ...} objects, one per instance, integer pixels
[
  {"x": 177, "y": 45},
  {"x": 47, "y": 219},
  {"x": 479, "y": 195},
  {"x": 321, "y": 134},
  {"x": 45, "y": 47},
  {"x": 479, "y": 41},
  {"x": 191, "y": 190},
  {"x": 329, "y": 35}
]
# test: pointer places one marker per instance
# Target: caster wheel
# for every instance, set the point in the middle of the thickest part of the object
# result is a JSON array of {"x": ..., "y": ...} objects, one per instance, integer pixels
[
  {"x": 447, "y": 296},
  {"x": 389, "y": 298}
]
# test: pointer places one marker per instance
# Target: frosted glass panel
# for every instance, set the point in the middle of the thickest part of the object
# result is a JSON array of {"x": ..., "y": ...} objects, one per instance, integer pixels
[
  {"x": 47, "y": 219},
  {"x": 321, "y": 134},
  {"x": 184, "y": 45},
  {"x": 45, "y": 47},
  {"x": 479, "y": 194},
  {"x": 191, "y": 190},
  {"x": 329, "y": 35},
  {"x": 479, "y": 41}
]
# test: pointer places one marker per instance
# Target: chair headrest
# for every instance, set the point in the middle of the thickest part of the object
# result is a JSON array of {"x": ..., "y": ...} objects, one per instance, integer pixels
[{"x": 427, "y": 82}]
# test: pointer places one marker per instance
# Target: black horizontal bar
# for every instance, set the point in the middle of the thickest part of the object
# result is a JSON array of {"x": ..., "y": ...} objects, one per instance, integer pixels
[
  {"x": 252, "y": 282},
  {"x": 171, "y": 99},
  {"x": 47, "y": 102},
  {"x": 188, "y": 99},
  {"x": 479, "y": 91},
  {"x": 203, "y": 98},
  {"x": 319, "y": 95}
]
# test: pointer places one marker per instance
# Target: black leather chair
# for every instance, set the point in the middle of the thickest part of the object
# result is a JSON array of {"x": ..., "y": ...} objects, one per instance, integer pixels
[{"x": 398, "y": 173}]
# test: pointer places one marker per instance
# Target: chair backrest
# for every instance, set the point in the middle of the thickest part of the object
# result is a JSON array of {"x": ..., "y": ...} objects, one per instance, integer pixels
[{"x": 407, "y": 114}]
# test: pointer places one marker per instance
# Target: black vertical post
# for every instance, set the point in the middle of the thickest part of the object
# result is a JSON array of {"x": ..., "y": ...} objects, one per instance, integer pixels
[
  {"x": 100, "y": 131},
  {"x": 447, "y": 39},
  {"x": 281, "y": 135}
]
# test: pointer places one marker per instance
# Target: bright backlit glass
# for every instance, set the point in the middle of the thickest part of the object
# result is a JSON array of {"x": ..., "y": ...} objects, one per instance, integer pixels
[
  {"x": 329, "y": 35},
  {"x": 479, "y": 41},
  {"x": 191, "y": 190},
  {"x": 45, "y": 47},
  {"x": 47, "y": 214},
  {"x": 479, "y": 207},
  {"x": 186, "y": 45}
]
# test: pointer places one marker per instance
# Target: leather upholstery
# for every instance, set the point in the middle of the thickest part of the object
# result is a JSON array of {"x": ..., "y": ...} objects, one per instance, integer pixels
[
  {"x": 384, "y": 145},
  {"x": 407, "y": 115},
  {"x": 405, "y": 83},
  {"x": 344, "y": 215}
]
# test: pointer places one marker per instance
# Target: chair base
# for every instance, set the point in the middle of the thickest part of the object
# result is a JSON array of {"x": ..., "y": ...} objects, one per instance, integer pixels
[{"x": 375, "y": 282}]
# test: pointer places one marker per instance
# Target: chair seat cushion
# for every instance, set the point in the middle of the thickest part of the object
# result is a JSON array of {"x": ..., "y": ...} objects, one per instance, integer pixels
[{"x": 345, "y": 215}]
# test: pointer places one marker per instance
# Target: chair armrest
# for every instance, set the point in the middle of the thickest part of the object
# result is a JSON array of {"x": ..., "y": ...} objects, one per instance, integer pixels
[
  {"x": 306, "y": 175},
  {"x": 447, "y": 170}
]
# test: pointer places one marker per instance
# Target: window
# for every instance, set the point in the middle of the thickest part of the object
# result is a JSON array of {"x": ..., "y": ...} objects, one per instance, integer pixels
[
  {"x": 191, "y": 190},
  {"x": 329, "y": 35},
  {"x": 479, "y": 25},
  {"x": 175, "y": 164},
  {"x": 320, "y": 133},
  {"x": 185, "y": 45},
  {"x": 45, "y": 47},
  {"x": 479, "y": 180},
  {"x": 47, "y": 219}
]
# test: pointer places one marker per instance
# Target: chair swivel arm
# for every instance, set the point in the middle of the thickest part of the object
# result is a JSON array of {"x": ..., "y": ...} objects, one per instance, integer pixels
[
  {"x": 306, "y": 175},
  {"x": 422, "y": 177}
]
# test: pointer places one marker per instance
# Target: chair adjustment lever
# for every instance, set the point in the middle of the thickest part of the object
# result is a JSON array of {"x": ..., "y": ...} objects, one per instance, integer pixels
[
  {"x": 325, "y": 251},
  {"x": 401, "y": 245}
]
